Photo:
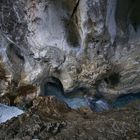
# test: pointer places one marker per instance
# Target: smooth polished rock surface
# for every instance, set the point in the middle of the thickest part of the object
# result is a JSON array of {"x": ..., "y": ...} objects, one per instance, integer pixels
[{"x": 78, "y": 42}]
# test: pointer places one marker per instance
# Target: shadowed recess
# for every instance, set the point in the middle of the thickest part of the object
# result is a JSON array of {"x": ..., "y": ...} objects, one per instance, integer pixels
[
  {"x": 53, "y": 87},
  {"x": 76, "y": 97}
]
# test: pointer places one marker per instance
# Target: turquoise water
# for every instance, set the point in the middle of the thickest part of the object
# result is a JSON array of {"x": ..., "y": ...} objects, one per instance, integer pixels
[
  {"x": 76, "y": 101},
  {"x": 125, "y": 100},
  {"x": 73, "y": 102}
]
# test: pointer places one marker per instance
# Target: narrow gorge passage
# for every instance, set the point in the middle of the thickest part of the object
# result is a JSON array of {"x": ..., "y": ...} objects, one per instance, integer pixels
[
  {"x": 76, "y": 99},
  {"x": 54, "y": 87}
]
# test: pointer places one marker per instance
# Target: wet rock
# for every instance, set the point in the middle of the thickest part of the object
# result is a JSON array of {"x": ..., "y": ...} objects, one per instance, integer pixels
[
  {"x": 50, "y": 106},
  {"x": 5, "y": 79},
  {"x": 83, "y": 43},
  {"x": 52, "y": 119},
  {"x": 97, "y": 105},
  {"x": 5, "y": 100}
]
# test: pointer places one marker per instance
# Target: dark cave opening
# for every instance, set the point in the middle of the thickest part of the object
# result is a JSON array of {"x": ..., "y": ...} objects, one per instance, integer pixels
[{"x": 52, "y": 86}]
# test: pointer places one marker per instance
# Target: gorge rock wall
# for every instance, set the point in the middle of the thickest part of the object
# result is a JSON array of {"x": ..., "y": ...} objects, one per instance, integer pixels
[{"x": 90, "y": 43}]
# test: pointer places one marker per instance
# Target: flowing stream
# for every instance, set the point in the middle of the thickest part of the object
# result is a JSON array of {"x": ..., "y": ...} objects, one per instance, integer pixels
[
  {"x": 76, "y": 100},
  {"x": 125, "y": 99}
]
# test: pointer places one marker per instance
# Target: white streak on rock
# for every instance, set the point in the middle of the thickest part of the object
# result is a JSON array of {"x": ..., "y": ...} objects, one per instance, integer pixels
[
  {"x": 7, "y": 112},
  {"x": 110, "y": 19}
]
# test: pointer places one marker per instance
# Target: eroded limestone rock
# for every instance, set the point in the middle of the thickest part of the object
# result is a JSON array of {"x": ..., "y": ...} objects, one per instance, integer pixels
[{"x": 79, "y": 42}]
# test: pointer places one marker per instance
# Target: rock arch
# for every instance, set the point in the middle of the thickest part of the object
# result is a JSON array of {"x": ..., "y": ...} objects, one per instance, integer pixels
[{"x": 52, "y": 86}]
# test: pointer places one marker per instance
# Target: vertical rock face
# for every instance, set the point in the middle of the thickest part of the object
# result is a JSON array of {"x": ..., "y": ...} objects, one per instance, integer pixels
[{"x": 92, "y": 43}]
